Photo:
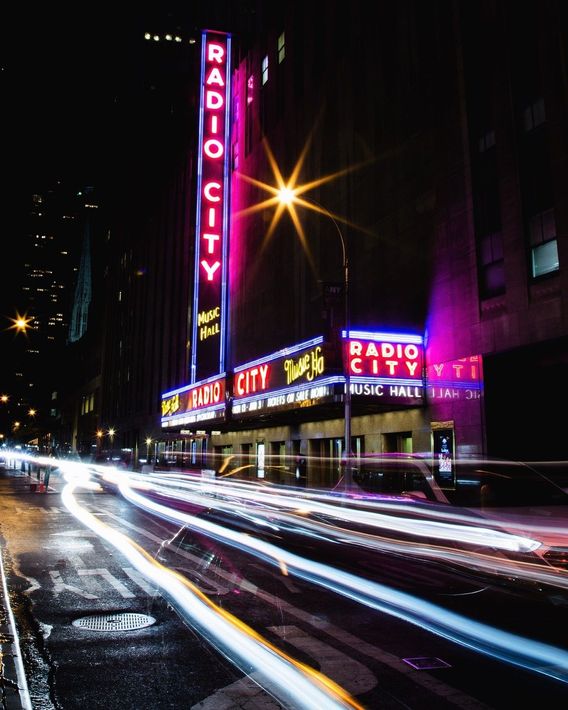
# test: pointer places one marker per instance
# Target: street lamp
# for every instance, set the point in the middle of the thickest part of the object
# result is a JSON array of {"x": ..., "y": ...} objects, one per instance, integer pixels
[
  {"x": 111, "y": 433},
  {"x": 289, "y": 197},
  {"x": 148, "y": 444}
]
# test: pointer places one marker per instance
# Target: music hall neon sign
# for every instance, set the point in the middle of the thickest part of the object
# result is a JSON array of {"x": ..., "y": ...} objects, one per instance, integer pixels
[{"x": 210, "y": 271}]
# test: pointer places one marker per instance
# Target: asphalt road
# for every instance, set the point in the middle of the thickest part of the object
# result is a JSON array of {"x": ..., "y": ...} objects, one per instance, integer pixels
[{"x": 59, "y": 571}]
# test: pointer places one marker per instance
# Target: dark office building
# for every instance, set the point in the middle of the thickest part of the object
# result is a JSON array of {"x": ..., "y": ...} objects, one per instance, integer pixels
[
  {"x": 44, "y": 281},
  {"x": 427, "y": 148}
]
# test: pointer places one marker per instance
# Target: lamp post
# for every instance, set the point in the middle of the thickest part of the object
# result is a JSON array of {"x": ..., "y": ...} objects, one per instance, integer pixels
[{"x": 288, "y": 197}]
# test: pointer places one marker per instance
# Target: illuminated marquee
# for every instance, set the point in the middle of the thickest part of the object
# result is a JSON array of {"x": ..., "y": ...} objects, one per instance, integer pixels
[
  {"x": 387, "y": 367},
  {"x": 210, "y": 275},
  {"x": 195, "y": 403},
  {"x": 296, "y": 365}
]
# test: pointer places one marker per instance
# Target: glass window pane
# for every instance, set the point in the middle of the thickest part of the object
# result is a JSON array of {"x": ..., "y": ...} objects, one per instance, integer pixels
[{"x": 545, "y": 258}]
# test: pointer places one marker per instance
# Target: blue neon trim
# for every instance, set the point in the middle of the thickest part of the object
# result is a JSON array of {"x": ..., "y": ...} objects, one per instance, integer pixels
[
  {"x": 378, "y": 336},
  {"x": 281, "y": 353},
  {"x": 336, "y": 379},
  {"x": 385, "y": 381},
  {"x": 193, "y": 385},
  {"x": 190, "y": 412},
  {"x": 459, "y": 384}
]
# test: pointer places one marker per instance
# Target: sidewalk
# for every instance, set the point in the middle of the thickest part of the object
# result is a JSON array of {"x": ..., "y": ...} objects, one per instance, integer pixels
[{"x": 14, "y": 693}]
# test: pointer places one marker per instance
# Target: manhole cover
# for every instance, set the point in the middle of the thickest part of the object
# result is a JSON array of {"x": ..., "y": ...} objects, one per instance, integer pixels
[{"x": 114, "y": 622}]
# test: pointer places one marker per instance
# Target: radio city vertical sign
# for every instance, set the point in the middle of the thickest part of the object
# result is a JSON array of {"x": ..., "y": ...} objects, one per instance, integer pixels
[{"x": 212, "y": 209}]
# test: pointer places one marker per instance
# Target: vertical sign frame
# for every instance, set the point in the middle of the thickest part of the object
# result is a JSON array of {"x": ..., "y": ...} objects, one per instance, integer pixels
[{"x": 209, "y": 314}]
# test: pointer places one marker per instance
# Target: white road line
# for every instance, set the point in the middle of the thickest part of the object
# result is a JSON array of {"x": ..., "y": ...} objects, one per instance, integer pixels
[
  {"x": 349, "y": 673},
  {"x": 61, "y": 586},
  {"x": 243, "y": 693},
  {"x": 140, "y": 580},
  {"x": 113, "y": 581}
]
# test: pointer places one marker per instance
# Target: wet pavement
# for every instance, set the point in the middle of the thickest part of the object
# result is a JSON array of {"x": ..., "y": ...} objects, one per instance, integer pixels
[
  {"x": 14, "y": 692},
  {"x": 13, "y": 683}
]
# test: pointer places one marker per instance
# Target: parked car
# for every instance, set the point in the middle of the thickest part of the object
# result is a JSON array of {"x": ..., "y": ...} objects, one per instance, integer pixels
[{"x": 510, "y": 495}]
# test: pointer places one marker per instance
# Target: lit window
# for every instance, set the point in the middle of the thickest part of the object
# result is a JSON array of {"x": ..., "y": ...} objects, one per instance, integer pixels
[
  {"x": 544, "y": 246},
  {"x": 281, "y": 48},
  {"x": 265, "y": 70}
]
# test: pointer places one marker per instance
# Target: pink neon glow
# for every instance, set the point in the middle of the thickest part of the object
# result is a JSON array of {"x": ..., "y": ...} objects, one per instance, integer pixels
[{"x": 213, "y": 154}]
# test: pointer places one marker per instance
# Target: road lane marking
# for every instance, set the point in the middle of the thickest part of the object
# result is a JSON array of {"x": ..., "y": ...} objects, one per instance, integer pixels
[
  {"x": 107, "y": 576},
  {"x": 243, "y": 693},
  {"x": 349, "y": 673},
  {"x": 140, "y": 580},
  {"x": 60, "y": 586}
]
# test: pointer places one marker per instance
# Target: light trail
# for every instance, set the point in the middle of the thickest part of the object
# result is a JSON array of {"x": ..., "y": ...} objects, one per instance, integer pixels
[
  {"x": 511, "y": 648},
  {"x": 505, "y": 646},
  {"x": 295, "y": 684}
]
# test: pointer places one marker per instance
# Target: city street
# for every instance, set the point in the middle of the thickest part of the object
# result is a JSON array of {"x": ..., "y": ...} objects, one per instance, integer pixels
[{"x": 59, "y": 572}]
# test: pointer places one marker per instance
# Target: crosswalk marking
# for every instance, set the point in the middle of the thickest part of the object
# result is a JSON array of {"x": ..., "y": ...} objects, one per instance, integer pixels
[
  {"x": 140, "y": 580},
  {"x": 113, "y": 581},
  {"x": 61, "y": 586},
  {"x": 347, "y": 672}
]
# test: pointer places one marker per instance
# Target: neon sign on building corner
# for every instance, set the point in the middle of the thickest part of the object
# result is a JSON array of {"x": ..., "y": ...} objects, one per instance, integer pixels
[{"x": 212, "y": 209}]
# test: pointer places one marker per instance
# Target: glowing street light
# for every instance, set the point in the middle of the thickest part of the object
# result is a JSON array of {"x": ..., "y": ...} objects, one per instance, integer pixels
[
  {"x": 32, "y": 412},
  {"x": 288, "y": 196},
  {"x": 148, "y": 444},
  {"x": 4, "y": 398},
  {"x": 111, "y": 433},
  {"x": 20, "y": 323}
]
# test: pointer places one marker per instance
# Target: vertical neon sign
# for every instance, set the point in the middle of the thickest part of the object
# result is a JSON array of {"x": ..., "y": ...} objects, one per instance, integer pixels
[{"x": 212, "y": 209}]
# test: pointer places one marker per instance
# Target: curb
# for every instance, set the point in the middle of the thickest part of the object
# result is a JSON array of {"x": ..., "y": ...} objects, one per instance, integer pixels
[{"x": 14, "y": 693}]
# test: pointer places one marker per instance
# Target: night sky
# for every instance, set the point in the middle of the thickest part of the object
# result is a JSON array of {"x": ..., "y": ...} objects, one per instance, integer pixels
[
  {"x": 68, "y": 71},
  {"x": 59, "y": 79}
]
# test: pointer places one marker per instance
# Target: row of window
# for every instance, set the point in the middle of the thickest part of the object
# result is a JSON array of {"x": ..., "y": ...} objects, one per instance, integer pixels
[{"x": 541, "y": 225}]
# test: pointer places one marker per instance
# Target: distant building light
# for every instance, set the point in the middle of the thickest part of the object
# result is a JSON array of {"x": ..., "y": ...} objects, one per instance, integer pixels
[
  {"x": 156, "y": 38},
  {"x": 192, "y": 40},
  {"x": 169, "y": 38},
  {"x": 147, "y": 35},
  {"x": 177, "y": 38}
]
